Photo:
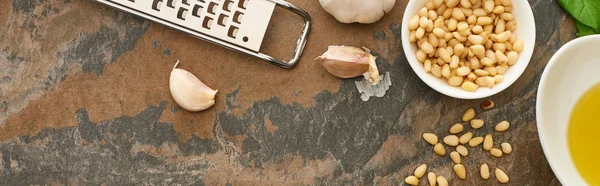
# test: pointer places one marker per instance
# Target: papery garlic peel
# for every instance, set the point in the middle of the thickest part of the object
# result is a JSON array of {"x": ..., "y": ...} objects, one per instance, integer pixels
[
  {"x": 361, "y": 11},
  {"x": 189, "y": 92},
  {"x": 349, "y": 62}
]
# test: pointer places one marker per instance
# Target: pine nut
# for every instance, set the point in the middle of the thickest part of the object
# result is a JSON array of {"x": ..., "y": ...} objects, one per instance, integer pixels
[
  {"x": 420, "y": 33},
  {"x": 489, "y": 81},
  {"x": 412, "y": 36},
  {"x": 447, "y": 13},
  {"x": 455, "y": 157},
  {"x": 518, "y": 45},
  {"x": 475, "y": 39},
  {"x": 477, "y": 50},
  {"x": 488, "y": 142},
  {"x": 439, "y": 32},
  {"x": 477, "y": 123},
  {"x": 452, "y": 3},
  {"x": 436, "y": 70},
  {"x": 465, "y": 137},
  {"x": 488, "y": 6},
  {"x": 484, "y": 171},
  {"x": 465, "y": 3},
  {"x": 446, "y": 71},
  {"x": 472, "y": 19},
  {"x": 444, "y": 55},
  {"x": 483, "y": 21},
  {"x": 455, "y": 81},
  {"x": 507, "y": 16},
  {"x": 421, "y": 56},
  {"x": 485, "y": 61},
  {"x": 475, "y": 64},
  {"x": 506, "y": 148},
  {"x": 460, "y": 171},
  {"x": 481, "y": 82},
  {"x": 423, "y": 12},
  {"x": 486, "y": 105},
  {"x": 498, "y": 9},
  {"x": 501, "y": 176},
  {"x": 505, "y": 2},
  {"x": 498, "y": 79},
  {"x": 492, "y": 70},
  {"x": 437, "y": 3},
  {"x": 459, "y": 37},
  {"x": 441, "y": 181},
  {"x": 496, "y": 152},
  {"x": 451, "y": 140},
  {"x": 479, "y": 12},
  {"x": 502, "y": 68},
  {"x": 463, "y": 71},
  {"x": 431, "y": 138},
  {"x": 512, "y": 57},
  {"x": 477, "y": 29},
  {"x": 511, "y": 25},
  {"x": 468, "y": 115},
  {"x": 498, "y": 47},
  {"x": 413, "y": 23},
  {"x": 432, "y": 14},
  {"x": 433, "y": 40},
  {"x": 439, "y": 149},
  {"x": 431, "y": 178},
  {"x": 471, "y": 76},
  {"x": 458, "y": 14},
  {"x": 502, "y": 126},
  {"x": 480, "y": 72},
  {"x": 427, "y": 66},
  {"x": 462, "y": 150},
  {"x": 475, "y": 141},
  {"x": 420, "y": 171},
  {"x": 429, "y": 5},
  {"x": 412, "y": 180}
]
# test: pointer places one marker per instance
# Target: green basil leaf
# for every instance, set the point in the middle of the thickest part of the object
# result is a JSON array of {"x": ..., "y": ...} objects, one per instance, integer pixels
[
  {"x": 585, "y": 30},
  {"x": 585, "y": 11}
]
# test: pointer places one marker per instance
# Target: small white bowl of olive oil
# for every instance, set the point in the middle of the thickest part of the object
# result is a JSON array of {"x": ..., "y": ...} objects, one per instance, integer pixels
[{"x": 568, "y": 112}]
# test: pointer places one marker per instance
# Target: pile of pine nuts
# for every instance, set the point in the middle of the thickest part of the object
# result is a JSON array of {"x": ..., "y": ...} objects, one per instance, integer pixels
[
  {"x": 459, "y": 143},
  {"x": 467, "y": 42}
]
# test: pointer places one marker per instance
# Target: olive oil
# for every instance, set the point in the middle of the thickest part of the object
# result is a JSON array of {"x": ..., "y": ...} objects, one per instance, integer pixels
[{"x": 583, "y": 135}]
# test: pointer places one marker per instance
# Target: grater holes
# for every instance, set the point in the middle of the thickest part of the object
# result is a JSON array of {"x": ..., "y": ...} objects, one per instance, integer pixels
[
  {"x": 227, "y": 6},
  {"x": 245, "y": 39},
  {"x": 222, "y": 19},
  {"x": 212, "y": 6},
  {"x": 233, "y": 31},
  {"x": 171, "y": 3},
  {"x": 182, "y": 13},
  {"x": 237, "y": 17},
  {"x": 242, "y": 4},
  {"x": 156, "y": 5},
  {"x": 207, "y": 23},
  {"x": 197, "y": 10}
]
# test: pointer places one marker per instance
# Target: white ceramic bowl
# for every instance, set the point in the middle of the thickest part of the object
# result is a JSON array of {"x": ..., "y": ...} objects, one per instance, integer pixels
[
  {"x": 525, "y": 31},
  {"x": 570, "y": 73}
]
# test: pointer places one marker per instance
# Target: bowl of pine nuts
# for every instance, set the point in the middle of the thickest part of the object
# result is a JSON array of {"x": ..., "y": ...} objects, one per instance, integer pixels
[{"x": 468, "y": 49}]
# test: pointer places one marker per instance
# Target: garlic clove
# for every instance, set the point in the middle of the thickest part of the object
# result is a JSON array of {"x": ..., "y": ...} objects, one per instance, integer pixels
[
  {"x": 349, "y": 62},
  {"x": 189, "y": 92},
  {"x": 361, "y": 11}
]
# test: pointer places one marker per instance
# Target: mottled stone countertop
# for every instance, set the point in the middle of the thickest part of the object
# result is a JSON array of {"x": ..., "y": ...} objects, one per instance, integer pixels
[{"x": 84, "y": 100}]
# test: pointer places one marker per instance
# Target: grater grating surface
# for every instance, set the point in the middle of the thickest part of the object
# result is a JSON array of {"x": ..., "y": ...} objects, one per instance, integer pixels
[{"x": 235, "y": 24}]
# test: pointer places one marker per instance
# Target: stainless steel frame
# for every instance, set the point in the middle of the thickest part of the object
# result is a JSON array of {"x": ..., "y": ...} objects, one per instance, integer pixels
[{"x": 281, "y": 63}]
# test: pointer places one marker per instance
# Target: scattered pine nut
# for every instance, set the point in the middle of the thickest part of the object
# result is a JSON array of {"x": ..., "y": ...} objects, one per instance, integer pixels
[
  {"x": 506, "y": 148},
  {"x": 462, "y": 150},
  {"x": 441, "y": 181},
  {"x": 420, "y": 171},
  {"x": 496, "y": 152},
  {"x": 484, "y": 171},
  {"x": 455, "y": 157},
  {"x": 468, "y": 115},
  {"x": 501, "y": 176},
  {"x": 475, "y": 141},
  {"x": 502, "y": 126},
  {"x": 431, "y": 178},
  {"x": 439, "y": 149},
  {"x": 487, "y": 104},
  {"x": 430, "y": 138},
  {"x": 456, "y": 128},
  {"x": 488, "y": 142},
  {"x": 412, "y": 180},
  {"x": 451, "y": 140},
  {"x": 465, "y": 138},
  {"x": 460, "y": 171},
  {"x": 477, "y": 123}
]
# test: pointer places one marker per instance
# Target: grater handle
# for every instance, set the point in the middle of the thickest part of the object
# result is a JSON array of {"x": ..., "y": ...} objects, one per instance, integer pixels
[
  {"x": 301, "y": 41},
  {"x": 281, "y": 63}
]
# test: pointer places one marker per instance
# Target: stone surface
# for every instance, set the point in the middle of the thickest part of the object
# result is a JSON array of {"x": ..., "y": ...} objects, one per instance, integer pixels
[{"x": 84, "y": 100}]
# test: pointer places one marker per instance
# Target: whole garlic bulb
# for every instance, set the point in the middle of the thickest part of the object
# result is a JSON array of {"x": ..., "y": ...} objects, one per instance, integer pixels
[
  {"x": 189, "y": 92},
  {"x": 349, "y": 62},
  {"x": 361, "y": 11}
]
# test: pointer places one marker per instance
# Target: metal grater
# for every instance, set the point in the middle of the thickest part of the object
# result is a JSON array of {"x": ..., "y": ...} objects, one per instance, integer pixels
[{"x": 239, "y": 25}]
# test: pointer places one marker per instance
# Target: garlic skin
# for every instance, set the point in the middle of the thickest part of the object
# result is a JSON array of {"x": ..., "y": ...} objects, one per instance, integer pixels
[
  {"x": 361, "y": 11},
  {"x": 189, "y": 92},
  {"x": 349, "y": 62}
]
